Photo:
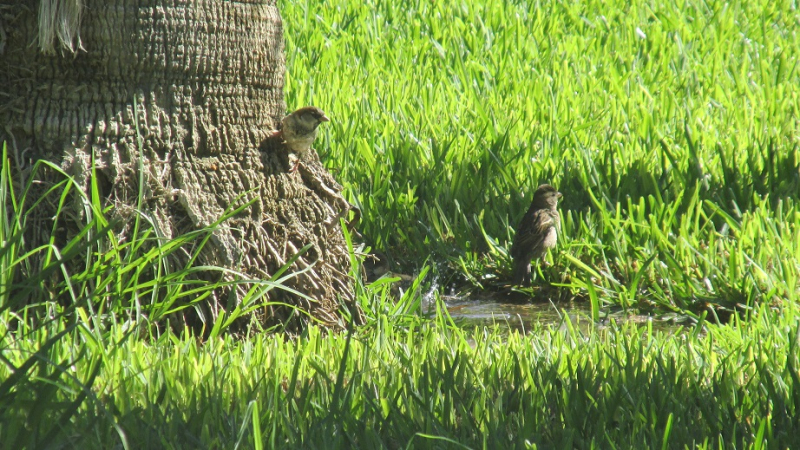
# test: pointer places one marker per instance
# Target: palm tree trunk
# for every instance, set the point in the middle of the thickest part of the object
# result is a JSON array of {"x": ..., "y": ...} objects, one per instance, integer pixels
[{"x": 191, "y": 90}]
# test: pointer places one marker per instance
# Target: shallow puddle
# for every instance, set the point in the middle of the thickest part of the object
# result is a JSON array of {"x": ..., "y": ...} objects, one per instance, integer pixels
[{"x": 476, "y": 312}]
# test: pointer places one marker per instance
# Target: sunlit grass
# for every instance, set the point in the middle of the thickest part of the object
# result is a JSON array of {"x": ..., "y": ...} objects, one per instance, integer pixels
[
  {"x": 429, "y": 385},
  {"x": 672, "y": 129}
]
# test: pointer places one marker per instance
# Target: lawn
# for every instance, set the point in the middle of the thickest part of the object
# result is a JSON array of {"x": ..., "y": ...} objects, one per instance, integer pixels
[
  {"x": 673, "y": 132},
  {"x": 405, "y": 382}
]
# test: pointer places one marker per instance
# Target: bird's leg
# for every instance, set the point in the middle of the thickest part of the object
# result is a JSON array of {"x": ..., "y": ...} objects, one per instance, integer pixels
[
  {"x": 522, "y": 273},
  {"x": 543, "y": 262},
  {"x": 526, "y": 279}
]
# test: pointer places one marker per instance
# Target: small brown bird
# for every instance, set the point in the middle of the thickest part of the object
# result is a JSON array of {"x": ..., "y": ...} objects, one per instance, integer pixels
[
  {"x": 299, "y": 129},
  {"x": 536, "y": 233}
]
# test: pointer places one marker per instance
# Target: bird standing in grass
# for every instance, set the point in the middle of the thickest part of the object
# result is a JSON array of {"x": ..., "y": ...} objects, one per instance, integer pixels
[
  {"x": 536, "y": 233},
  {"x": 299, "y": 129}
]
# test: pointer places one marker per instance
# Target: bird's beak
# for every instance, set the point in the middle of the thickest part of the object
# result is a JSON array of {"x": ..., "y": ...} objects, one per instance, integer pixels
[
  {"x": 324, "y": 118},
  {"x": 559, "y": 194}
]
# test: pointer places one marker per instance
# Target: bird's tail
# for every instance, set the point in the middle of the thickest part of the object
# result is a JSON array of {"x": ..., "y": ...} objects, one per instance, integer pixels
[{"x": 522, "y": 273}]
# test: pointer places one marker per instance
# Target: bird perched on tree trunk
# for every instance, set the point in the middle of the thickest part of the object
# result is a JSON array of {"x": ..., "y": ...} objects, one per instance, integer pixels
[
  {"x": 536, "y": 233},
  {"x": 299, "y": 129}
]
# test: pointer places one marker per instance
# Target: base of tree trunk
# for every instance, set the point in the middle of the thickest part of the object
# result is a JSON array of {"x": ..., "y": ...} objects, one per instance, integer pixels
[{"x": 181, "y": 98}]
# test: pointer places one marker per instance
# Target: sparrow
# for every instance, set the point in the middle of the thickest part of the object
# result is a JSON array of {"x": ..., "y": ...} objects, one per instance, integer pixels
[
  {"x": 536, "y": 233},
  {"x": 299, "y": 129}
]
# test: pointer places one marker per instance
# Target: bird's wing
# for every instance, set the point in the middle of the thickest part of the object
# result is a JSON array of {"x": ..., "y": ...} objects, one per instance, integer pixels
[{"x": 532, "y": 231}]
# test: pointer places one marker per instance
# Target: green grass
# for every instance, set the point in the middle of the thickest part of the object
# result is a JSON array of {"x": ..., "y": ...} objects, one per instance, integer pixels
[
  {"x": 671, "y": 129},
  {"x": 673, "y": 132},
  {"x": 107, "y": 371},
  {"x": 422, "y": 385}
]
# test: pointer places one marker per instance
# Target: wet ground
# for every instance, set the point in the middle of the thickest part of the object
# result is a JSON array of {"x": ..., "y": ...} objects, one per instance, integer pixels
[
  {"x": 528, "y": 310},
  {"x": 524, "y": 316}
]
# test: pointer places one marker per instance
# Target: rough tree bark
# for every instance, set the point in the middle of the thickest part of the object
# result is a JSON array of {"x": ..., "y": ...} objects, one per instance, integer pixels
[{"x": 206, "y": 80}]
